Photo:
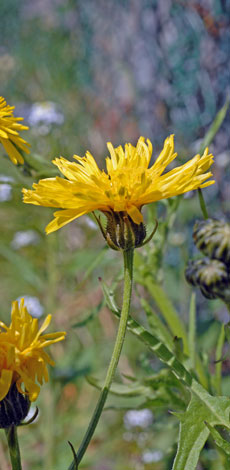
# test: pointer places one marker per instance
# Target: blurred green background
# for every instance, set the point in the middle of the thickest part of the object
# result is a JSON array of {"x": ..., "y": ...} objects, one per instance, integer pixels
[{"x": 82, "y": 73}]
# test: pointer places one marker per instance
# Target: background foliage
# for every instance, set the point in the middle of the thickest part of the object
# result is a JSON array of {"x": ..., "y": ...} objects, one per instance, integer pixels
[{"x": 111, "y": 71}]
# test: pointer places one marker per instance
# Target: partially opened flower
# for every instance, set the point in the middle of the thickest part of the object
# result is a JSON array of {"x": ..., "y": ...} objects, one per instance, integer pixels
[
  {"x": 9, "y": 133},
  {"x": 128, "y": 184},
  {"x": 23, "y": 361}
]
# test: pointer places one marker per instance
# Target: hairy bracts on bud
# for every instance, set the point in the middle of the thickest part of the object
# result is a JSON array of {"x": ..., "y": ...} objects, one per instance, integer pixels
[
  {"x": 13, "y": 408},
  {"x": 211, "y": 276},
  {"x": 122, "y": 233},
  {"x": 212, "y": 237}
]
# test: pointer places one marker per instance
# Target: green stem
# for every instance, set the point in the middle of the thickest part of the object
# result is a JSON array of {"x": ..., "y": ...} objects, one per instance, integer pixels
[
  {"x": 12, "y": 439},
  {"x": 49, "y": 395},
  {"x": 202, "y": 204},
  {"x": 228, "y": 306},
  {"x": 128, "y": 276}
]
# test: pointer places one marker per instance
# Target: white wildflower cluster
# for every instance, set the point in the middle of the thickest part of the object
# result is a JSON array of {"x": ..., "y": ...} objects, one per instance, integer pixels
[{"x": 43, "y": 115}]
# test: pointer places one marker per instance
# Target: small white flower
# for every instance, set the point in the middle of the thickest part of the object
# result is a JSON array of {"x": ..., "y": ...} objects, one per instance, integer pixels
[
  {"x": 5, "y": 188},
  {"x": 5, "y": 192},
  {"x": 33, "y": 305},
  {"x": 138, "y": 418},
  {"x": 150, "y": 456},
  {"x": 6, "y": 179},
  {"x": 24, "y": 238},
  {"x": 43, "y": 115}
]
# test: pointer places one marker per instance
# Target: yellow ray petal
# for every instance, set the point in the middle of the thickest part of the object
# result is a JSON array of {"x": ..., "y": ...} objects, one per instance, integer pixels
[
  {"x": 5, "y": 382},
  {"x": 135, "y": 214}
]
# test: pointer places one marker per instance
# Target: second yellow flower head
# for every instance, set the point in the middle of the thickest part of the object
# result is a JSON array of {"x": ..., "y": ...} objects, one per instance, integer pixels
[
  {"x": 23, "y": 360},
  {"x": 10, "y": 138}
]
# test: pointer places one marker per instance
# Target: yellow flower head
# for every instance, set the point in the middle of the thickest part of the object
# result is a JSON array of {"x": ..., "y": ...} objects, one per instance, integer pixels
[
  {"x": 128, "y": 184},
  {"x": 22, "y": 356},
  {"x": 9, "y": 133}
]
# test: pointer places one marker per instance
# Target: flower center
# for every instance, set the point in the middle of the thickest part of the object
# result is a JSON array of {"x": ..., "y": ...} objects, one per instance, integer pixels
[{"x": 127, "y": 184}]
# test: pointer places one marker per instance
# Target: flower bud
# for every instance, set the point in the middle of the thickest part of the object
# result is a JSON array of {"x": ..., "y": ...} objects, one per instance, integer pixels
[
  {"x": 122, "y": 233},
  {"x": 13, "y": 408},
  {"x": 211, "y": 276},
  {"x": 212, "y": 237}
]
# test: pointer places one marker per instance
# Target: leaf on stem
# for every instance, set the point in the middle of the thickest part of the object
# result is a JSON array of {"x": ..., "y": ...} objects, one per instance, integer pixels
[
  {"x": 194, "y": 428},
  {"x": 74, "y": 456},
  {"x": 220, "y": 442}
]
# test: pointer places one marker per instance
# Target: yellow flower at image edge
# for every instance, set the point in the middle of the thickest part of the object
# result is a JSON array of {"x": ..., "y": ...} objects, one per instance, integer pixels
[
  {"x": 128, "y": 184},
  {"x": 23, "y": 360},
  {"x": 9, "y": 133}
]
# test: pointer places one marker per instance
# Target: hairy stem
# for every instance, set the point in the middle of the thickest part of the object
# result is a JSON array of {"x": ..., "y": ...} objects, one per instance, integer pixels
[
  {"x": 12, "y": 439},
  {"x": 128, "y": 275}
]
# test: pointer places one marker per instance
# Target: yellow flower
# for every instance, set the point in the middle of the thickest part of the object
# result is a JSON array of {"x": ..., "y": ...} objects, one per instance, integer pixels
[
  {"x": 128, "y": 184},
  {"x": 22, "y": 358},
  {"x": 9, "y": 133}
]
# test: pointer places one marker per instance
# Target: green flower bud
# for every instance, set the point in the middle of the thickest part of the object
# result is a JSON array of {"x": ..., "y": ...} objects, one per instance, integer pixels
[
  {"x": 212, "y": 237},
  {"x": 13, "y": 408},
  {"x": 211, "y": 276},
  {"x": 122, "y": 233}
]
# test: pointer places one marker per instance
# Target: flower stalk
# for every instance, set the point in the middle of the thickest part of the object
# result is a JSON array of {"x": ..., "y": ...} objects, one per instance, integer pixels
[
  {"x": 128, "y": 277},
  {"x": 12, "y": 439},
  {"x": 202, "y": 204}
]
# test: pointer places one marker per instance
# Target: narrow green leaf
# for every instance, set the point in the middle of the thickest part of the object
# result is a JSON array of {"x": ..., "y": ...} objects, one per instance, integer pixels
[
  {"x": 220, "y": 442},
  {"x": 74, "y": 456},
  {"x": 158, "y": 396},
  {"x": 96, "y": 262},
  {"x": 23, "y": 266},
  {"x": 109, "y": 298},
  {"x": 192, "y": 331},
  {"x": 219, "y": 349},
  {"x": 167, "y": 310},
  {"x": 84, "y": 322},
  {"x": 157, "y": 325},
  {"x": 83, "y": 261},
  {"x": 178, "y": 348},
  {"x": 210, "y": 134},
  {"x": 89, "y": 317},
  {"x": 69, "y": 375},
  {"x": 43, "y": 166},
  {"x": 123, "y": 390},
  {"x": 173, "y": 320}
]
